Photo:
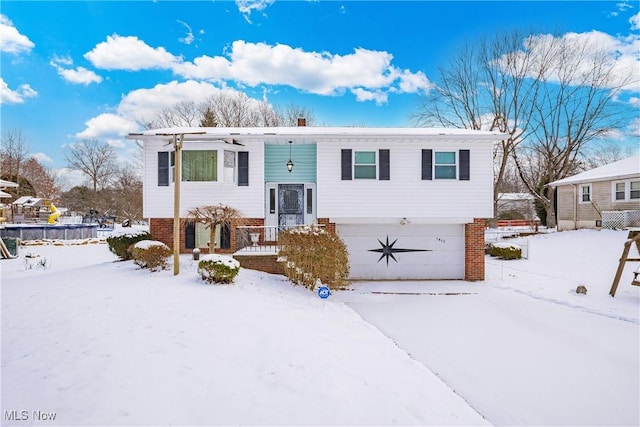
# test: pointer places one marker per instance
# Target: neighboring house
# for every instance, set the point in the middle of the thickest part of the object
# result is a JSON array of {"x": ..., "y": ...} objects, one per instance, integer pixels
[
  {"x": 516, "y": 206},
  {"x": 608, "y": 196},
  {"x": 409, "y": 203}
]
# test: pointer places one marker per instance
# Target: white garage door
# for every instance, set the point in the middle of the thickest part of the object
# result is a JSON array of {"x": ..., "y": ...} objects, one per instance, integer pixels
[{"x": 404, "y": 251}]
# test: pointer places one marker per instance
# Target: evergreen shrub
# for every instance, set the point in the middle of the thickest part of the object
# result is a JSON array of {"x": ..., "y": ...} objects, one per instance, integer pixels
[
  {"x": 151, "y": 254},
  {"x": 214, "y": 268},
  {"x": 121, "y": 244},
  {"x": 505, "y": 250},
  {"x": 312, "y": 254}
]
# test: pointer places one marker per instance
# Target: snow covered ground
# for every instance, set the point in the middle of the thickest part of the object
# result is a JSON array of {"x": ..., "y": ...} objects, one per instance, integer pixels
[{"x": 98, "y": 342}]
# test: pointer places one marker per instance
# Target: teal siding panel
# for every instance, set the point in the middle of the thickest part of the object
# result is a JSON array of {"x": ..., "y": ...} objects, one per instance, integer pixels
[{"x": 304, "y": 161}]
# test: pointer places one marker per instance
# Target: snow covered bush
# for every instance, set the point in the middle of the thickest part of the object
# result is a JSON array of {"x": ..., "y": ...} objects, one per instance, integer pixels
[
  {"x": 214, "y": 268},
  {"x": 121, "y": 244},
  {"x": 151, "y": 254},
  {"x": 505, "y": 250},
  {"x": 310, "y": 254}
]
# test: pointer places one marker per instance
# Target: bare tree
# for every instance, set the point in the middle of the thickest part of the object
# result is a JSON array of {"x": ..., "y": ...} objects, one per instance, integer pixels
[
  {"x": 551, "y": 96},
  {"x": 213, "y": 216},
  {"x": 488, "y": 87},
  {"x": 575, "y": 108},
  {"x": 293, "y": 112},
  {"x": 127, "y": 189},
  {"x": 14, "y": 152},
  {"x": 95, "y": 158},
  {"x": 42, "y": 180}
]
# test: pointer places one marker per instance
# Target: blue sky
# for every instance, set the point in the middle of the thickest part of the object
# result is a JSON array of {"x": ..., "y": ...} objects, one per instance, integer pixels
[{"x": 76, "y": 69}]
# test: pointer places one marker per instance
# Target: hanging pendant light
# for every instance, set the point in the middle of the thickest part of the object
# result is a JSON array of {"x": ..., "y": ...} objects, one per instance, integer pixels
[{"x": 290, "y": 163}]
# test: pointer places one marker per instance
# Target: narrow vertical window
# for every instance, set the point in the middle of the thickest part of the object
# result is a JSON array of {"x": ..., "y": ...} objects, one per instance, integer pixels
[
  {"x": 163, "y": 169},
  {"x": 272, "y": 200},
  {"x": 309, "y": 200},
  {"x": 229, "y": 166}
]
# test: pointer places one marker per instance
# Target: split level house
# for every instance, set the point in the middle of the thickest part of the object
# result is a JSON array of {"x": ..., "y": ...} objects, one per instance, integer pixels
[
  {"x": 607, "y": 196},
  {"x": 409, "y": 203}
]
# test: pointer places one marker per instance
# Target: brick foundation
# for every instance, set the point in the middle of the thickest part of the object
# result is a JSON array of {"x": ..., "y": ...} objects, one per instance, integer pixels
[{"x": 474, "y": 250}]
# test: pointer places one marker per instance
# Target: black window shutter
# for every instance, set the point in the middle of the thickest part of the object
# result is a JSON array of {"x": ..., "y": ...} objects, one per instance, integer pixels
[
  {"x": 384, "y": 167},
  {"x": 225, "y": 236},
  {"x": 163, "y": 169},
  {"x": 346, "y": 165},
  {"x": 190, "y": 235},
  {"x": 464, "y": 165},
  {"x": 243, "y": 168},
  {"x": 427, "y": 163}
]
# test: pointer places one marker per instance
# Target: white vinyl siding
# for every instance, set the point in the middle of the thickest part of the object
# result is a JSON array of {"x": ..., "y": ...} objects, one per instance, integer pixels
[
  {"x": 158, "y": 200},
  {"x": 405, "y": 194}
]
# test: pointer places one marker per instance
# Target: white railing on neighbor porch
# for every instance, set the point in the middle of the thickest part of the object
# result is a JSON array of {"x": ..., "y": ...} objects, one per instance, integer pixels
[{"x": 261, "y": 238}]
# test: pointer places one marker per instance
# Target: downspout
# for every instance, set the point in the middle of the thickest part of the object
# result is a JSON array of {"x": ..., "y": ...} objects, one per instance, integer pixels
[{"x": 575, "y": 206}]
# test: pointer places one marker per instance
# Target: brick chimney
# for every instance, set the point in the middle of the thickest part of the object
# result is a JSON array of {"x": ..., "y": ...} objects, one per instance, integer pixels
[{"x": 302, "y": 121}]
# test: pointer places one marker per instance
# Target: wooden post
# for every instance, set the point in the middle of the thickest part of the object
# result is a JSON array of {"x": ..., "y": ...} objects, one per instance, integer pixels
[
  {"x": 634, "y": 237},
  {"x": 623, "y": 261},
  {"x": 177, "y": 145}
]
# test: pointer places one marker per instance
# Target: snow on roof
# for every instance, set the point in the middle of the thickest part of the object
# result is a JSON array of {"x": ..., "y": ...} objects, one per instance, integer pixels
[
  {"x": 28, "y": 201},
  {"x": 515, "y": 196},
  {"x": 5, "y": 184},
  {"x": 209, "y": 133},
  {"x": 622, "y": 169}
]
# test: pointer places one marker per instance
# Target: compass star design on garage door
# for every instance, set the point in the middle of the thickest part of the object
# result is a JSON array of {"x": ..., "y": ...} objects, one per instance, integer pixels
[{"x": 387, "y": 250}]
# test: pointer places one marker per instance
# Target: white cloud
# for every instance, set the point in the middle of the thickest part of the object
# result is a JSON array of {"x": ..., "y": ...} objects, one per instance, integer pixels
[
  {"x": 246, "y": 7},
  {"x": 106, "y": 125},
  {"x": 188, "y": 38},
  {"x": 79, "y": 75},
  {"x": 42, "y": 158},
  {"x": 18, "y": 96},
  {"x": 11, "y": 41},
  {"x": 129, "y": 53},
  {"x": 621, "y": 52},
  {"x": 71, "y": 178},
  {"x": 141, "y": 104},
  {"x": 321, "y": 73},
  {"x": 368, "y": 95},
  {"x": 635, "y": 21}
]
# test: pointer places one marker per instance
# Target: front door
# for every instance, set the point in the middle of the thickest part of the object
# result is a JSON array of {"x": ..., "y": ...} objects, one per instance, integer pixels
[{"x": 290, "y": 205}]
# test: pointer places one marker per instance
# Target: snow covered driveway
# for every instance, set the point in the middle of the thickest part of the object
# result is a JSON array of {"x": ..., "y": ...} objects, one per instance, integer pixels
[{"x": 522, "y": 348}]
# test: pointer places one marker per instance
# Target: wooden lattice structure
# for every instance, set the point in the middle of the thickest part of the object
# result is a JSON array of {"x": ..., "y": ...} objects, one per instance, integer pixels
[{"x": 634, "y": 237}]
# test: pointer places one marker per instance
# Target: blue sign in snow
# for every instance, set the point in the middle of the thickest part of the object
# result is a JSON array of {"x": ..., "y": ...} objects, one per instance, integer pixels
[{"x": 324, "y": 292}]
